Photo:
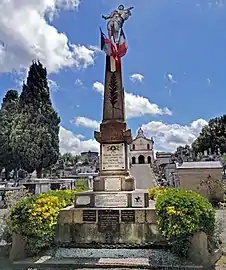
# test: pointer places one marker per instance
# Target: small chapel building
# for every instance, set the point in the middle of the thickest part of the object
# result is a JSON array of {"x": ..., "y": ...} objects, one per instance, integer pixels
[{"x": 141, "y": 149}]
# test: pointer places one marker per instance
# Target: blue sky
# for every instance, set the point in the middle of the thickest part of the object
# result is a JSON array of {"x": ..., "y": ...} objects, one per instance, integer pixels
[{"x": 174, "y": 70}]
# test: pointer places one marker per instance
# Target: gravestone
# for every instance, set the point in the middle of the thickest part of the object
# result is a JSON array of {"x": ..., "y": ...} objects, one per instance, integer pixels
[{"x": 114, "y": 212}]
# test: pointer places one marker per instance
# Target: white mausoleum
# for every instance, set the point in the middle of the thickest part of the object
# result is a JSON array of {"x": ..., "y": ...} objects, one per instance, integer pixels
[{"x": 141, "y": 149}]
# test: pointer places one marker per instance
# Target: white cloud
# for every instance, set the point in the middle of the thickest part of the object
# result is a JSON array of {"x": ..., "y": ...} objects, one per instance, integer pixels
[
  {"x": 86, "y": 122},
  {"x": 99, "y": 87},
  {"x": 78, "y": 82},
  {"x": 53, "y": 86},
  {"x": 168, "y": 137},
  {"x": 170, "y": 78},
  {"x": 79, "y": 136},
  {"x": 137, "y": 77},
  {"x": 67, "y": 4},
  {"x": 208, "y": 81},
  {"x": 70, "y": 142},
  {"x": 82, "y": 56},
  {"x": 26, "y": 35},
  {"x": 94, "y": 48},
  {"x": 136, "y": 105}
]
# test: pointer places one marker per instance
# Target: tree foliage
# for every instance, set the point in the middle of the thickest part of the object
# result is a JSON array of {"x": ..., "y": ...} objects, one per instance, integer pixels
[
  {"x": 35, "y": 136},
  {"x": 64, "y": 161},
  {"x": 212, "y": 137},
  {"x": 8, "y": 112},
  {"x": 183, "y": 153},
  {"x": 67, "y": 159}
]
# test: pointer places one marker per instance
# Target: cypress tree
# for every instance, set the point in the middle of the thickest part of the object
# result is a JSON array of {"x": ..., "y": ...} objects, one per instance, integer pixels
[
  {"x": 8, "y": 112},
  {"x": 36, "y": 133}
]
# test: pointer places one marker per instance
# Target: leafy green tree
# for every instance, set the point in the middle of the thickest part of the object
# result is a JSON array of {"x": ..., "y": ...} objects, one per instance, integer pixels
[
  {"x": 64, "y": 161},
  {"x": 212, "y": 137},
  {"x": 8, "y": 112},
  {"x": 68, "y": 159},
  {"x": 183, "y": 153},
  {"x": 36, "y": 130}
]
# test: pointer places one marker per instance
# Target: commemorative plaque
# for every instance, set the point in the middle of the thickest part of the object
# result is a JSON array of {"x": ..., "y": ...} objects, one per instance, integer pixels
[
  {"x": 89, "y": 215},
  {"x": 138, "y": 199},
  {"x": 108, "y": 221},
  {"x": 112, "y": 183},
  {"x": 83, "y": 200},
  {"x": 128, "y": 216},
  {"x": 113, "y": 156},
  {"x": 111, "y": 200}
]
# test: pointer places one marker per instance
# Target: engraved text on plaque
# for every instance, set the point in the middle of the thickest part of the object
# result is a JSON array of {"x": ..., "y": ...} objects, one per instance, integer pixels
[{"x": 113, "y": 156}]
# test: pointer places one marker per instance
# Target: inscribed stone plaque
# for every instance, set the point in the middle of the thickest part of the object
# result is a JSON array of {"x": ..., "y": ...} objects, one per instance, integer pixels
[
  {"x": 108, "y": 221},
  {"x": 113, "y": 156},
  {"x": 83, "y": 200},
  {"x": 111, "y": 200},
  {"x": 137, "y": 199},
  {"x": 89, "y": 215},
  {"x": 112, "y": 183},
  {"x": 128, "y": 216}
]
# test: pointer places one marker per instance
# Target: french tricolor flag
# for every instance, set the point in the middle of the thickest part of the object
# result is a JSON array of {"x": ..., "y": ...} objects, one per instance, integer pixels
[
  {"x": 122, "y": 45},
  {"x": 106, "y": 44}
]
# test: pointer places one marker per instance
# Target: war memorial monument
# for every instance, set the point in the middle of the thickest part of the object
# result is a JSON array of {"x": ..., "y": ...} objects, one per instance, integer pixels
[{"x": 114, "y": 212}]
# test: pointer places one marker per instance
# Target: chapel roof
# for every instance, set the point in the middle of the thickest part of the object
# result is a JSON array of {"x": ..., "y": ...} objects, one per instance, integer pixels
[{"x": 140, "y": 134}]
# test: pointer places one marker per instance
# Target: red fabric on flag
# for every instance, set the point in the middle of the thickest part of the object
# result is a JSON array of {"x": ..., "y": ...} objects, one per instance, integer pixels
[{"x": 122, "y": 47}]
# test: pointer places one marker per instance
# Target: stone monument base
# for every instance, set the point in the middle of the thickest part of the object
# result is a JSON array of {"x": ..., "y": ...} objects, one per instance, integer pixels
[
  {"x": 106, "y": 225},
  {"x": 114, "y": 181},
  {"x": 108, "y": 199}
]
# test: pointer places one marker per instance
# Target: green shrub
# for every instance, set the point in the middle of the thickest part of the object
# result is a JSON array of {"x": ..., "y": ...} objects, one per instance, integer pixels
[
  {"x": 183, "y": 212},
  {"x": 67, "y": 196},
  {"x": 81, "y": 184},
  {"x": 180, "y": 214},
  {"x": 153, "y": 192},
  {"x": 35, "y": 217}
]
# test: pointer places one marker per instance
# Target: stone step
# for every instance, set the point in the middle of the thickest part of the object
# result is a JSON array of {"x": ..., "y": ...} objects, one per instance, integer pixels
[
  {"x": 79, "y": 258},
  {"x": 144, "y": 175}
]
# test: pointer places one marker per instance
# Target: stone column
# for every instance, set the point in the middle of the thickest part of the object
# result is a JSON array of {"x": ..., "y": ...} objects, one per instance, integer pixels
[{"x": 114, "y": 137}]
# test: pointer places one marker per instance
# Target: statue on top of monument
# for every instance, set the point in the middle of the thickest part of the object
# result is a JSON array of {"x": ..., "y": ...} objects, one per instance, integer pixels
[{"x": 116, "y": 21}]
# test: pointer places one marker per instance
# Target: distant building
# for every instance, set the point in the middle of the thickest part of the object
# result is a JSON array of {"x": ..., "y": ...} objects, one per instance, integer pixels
[
  {"x": 163, "y": 158},
  {"x": 169, "y": 171},
  {"x": 191, "y": 174},
  {"x": 141, "y": 149}
]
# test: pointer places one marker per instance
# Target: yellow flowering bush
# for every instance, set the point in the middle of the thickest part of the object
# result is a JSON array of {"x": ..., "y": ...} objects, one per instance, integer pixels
[
  {"x": 153, "y": 192},
  {"x": 35, "y": 217},
  {"x": 181, "y": 213}
]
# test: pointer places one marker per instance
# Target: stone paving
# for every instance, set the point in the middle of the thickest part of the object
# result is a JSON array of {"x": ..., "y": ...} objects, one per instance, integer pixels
[{"x": 109, "y": 258}]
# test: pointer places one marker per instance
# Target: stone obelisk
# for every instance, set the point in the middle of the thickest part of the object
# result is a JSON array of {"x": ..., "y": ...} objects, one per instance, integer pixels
[{"x": 114, "y": 137}]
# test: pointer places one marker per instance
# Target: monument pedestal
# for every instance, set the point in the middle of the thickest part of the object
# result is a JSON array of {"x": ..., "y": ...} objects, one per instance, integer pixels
[
  {"x": 114, "y": 181},
  {"x": 106, "y": 225},
  {"x": 114, "y": 212},
  {"x": 112, "y": 199}
]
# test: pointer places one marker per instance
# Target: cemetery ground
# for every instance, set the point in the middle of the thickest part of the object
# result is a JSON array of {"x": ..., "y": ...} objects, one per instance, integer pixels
[{"x": 46, "y": 207}]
